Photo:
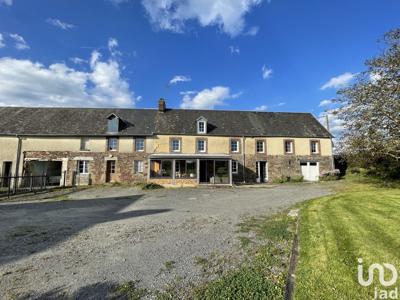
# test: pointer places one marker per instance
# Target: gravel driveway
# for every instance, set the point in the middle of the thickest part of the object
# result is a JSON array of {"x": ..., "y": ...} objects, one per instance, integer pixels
[{"x": 97, "y": 237}]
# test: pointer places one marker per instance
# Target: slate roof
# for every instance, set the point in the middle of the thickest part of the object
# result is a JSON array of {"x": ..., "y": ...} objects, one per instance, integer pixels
[{"x": 93, "y": 122}]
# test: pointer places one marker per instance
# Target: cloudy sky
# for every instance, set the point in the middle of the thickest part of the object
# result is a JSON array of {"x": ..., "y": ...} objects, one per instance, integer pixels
[{"x": 273, "y": 55}]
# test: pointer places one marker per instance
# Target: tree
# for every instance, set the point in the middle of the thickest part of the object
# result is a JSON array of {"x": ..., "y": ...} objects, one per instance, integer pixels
[{"x": 370, "y": 109}]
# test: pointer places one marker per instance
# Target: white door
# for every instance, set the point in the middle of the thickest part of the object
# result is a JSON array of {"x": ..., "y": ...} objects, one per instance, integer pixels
[{"x": 310, "y": 171}]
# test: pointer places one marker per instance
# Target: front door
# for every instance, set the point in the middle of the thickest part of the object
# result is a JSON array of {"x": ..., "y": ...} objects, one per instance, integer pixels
[
  {"x": 110, "y": 170},
  {"x": 6, "y": 172},
  {"x": 262, "y": 171}
]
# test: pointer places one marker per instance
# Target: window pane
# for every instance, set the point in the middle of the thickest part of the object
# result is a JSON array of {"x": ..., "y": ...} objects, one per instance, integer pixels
[
  {"x": 112, "y": 143},
  {"x": 139, "y": 145},
  {"x": 221, "y": 171},
  {"x": 235, "y": 146},
  {"x": 84, "y": 144},
  {"x": 201, "y": 147},
  {"x": 191, "y": 168},
  {"x": 260, "y": 146},
  {"x": 175, "y": 145}
]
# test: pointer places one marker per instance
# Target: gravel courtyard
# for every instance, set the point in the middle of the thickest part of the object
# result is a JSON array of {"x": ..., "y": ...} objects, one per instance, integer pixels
[{"x": 83, "y": 244}]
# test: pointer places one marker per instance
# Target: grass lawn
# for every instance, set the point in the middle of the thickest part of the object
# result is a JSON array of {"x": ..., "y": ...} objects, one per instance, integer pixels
[
  {"x": 361, "y": 221},
  {"x": 263, "y": 275}
]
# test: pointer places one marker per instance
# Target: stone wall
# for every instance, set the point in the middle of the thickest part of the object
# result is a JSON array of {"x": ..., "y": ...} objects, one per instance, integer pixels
[
  {"x": 278, "y": 165},
  {"x": 186, "y": 182},
  {"x": 124, "y": 169}
]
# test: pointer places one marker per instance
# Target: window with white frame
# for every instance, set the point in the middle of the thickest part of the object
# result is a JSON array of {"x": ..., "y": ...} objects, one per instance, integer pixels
[
  {"x": 176, "y": 145},
  {"x": 139, "y": 144},
  {"x": 138, "y": 166},
  {"x": 234, "y": 146},
  {"x": 235, "y": 167},
  {"x": 260, "y": 146},
  {"x": 201, "y": 146},
  {"x": 112, "y": 144},
  {"x": 288, "y": 146},
  {"x": 83, "y": 167},
  {"x": 314, "y": 147},
  {"x": 85, "y": 144},
  {"x": 201, "y": 125}
]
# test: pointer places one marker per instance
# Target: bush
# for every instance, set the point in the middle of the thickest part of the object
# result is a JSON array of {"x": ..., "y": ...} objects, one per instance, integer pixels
[
  {"x": 151, "y": 186},
  {"x": 297, "y": 179},
  {"x": 330, "y": 175},
  {"x": 281, "y": 179},
  {"x": 355, "y": 170}
]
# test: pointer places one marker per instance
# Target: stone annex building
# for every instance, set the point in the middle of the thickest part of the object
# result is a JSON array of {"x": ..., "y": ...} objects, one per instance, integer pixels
[{"x": 167, "y": 146}]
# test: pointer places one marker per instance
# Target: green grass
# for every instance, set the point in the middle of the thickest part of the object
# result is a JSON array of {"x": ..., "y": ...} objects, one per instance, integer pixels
[
  {"x": 130, "y": 291},
  {"x": 263, "y": 275},
  {"x": 361, "y": 221}
]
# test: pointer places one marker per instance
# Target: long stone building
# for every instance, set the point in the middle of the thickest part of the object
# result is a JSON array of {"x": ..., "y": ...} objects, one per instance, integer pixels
[{"x": 167, "y": 146}]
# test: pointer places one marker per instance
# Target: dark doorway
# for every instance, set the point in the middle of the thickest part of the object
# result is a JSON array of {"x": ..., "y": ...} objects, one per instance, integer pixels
[
  {"x": 206, "y": 171},
  {"x": 6, "y": 172},
  {"x": 262, "y": 172},
  {"x": 110, "y": 170}
]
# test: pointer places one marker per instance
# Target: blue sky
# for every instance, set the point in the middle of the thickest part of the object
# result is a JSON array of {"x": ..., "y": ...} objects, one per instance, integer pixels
[{"x": 278, "y": 55}]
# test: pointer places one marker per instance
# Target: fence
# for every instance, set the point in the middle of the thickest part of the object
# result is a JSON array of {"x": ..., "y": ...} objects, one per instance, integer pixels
[{"x": 12, "y": 185}]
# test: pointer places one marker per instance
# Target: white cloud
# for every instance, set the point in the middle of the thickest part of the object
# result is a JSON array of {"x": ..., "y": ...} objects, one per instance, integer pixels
[
  {"x": 112, "y": 46},
  {"x": 77, "y": 60},
  {"x": 253, "y": 31},
  {"x": 6, "y": 2},
  {"x": 339, "y": 81},
  {"x": 2, "y": 44},
  {"x": 60, "y": 24},
  {"x": 27, "y": 83},
  {"x": 112, "y": 43},
  {"x": 261, "y": 108},
  {"x": 234, "y": 50},
  {"x": 179, "y": 78},
  {"x": 280, "y": 104},
  {"x": 207, "y": 98},
  {"x": 325, "y": 102},
  {"x": 266, "y": 72},
  {"x": 173, "y": 14},
  {"x": 20, "y": 43}
]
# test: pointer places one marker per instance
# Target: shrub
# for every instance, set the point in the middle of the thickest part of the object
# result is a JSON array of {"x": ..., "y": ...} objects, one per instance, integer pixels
[
  {"x": 355, "y": 170},
  {"x": 281, "y": 179},
  {"x": 330, "y": 175},
  {"x": 296, "y": 179},
  {"x": 151, "y": 186}
]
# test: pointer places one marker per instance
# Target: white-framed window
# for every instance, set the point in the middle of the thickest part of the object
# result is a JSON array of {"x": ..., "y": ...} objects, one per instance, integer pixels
[
  {"x": 139, "y": 144},
  {"x": 83, "y": 167},
  {"x": 85, "y": 144},
  {"x": 138, "y": 166},
  {"x": 234, "y": 146},
  {"x": 288, "y": 146},
  {"x": 201, "y": 127},
  {"x": 112, "y": 144},
  {"x": 260, "y": 146},
  {"x": 314, "y": 147},
  {"x": 235, "y": 167},
  {"x": 176, "y": 145},
  {"x": 201, "y": 146}
]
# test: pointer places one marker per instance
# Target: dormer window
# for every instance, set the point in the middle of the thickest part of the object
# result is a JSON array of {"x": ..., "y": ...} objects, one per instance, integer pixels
[
  {"x": 113, "y": 123},
  {"x": 201, "y": 125}
]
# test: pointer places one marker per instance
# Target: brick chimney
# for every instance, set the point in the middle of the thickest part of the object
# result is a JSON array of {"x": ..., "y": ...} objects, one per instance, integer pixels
[{"x": 162, "y": 107}]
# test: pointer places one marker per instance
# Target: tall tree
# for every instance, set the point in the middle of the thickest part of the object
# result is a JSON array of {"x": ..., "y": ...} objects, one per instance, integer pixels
[{"x": 370, "y": 108}]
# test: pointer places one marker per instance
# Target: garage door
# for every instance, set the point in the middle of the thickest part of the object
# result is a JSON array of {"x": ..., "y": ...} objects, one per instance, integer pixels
[{"x": 310, "y": 171}]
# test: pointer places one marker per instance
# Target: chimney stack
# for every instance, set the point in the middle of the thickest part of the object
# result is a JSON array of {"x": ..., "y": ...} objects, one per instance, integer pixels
[{"x": 162, "y": 107}]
